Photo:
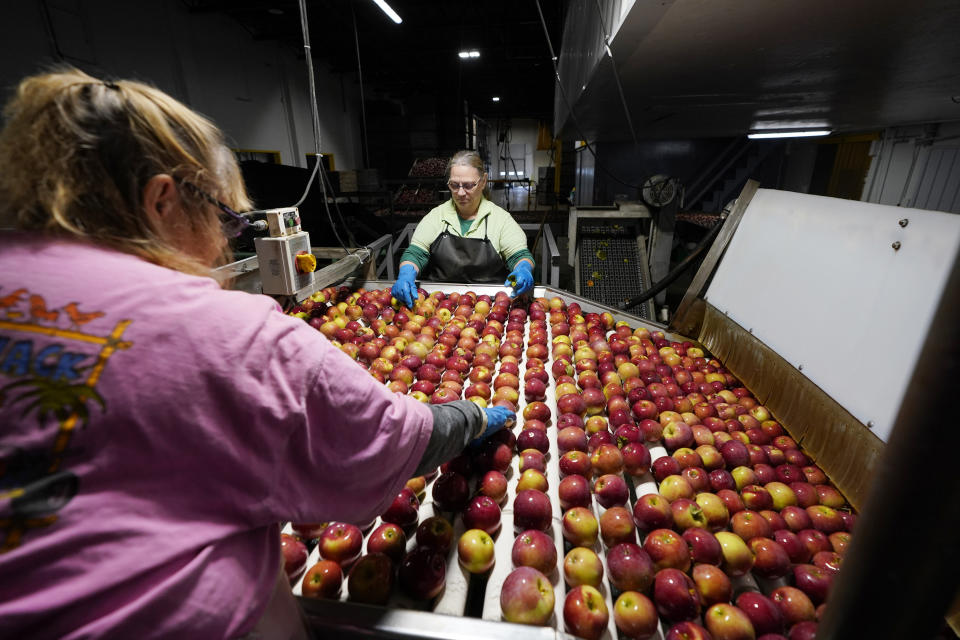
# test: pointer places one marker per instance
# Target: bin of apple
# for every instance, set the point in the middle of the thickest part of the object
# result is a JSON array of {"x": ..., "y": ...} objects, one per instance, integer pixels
[{"x": 647, "y": 489}]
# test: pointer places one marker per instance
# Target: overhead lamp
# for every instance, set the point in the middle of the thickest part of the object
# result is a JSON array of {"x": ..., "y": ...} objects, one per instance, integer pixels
[
  {"x": 387, "y": 9},
  {"x": 812, "y": 133},
  {"x": 496, "y": 98},
  {"x": 472, "y": 53}
]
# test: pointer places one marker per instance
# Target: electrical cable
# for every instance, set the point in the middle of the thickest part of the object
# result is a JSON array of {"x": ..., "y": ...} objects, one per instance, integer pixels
[
  {"x": 676, "y": 271},
  {"x": 573, "y": 117}
]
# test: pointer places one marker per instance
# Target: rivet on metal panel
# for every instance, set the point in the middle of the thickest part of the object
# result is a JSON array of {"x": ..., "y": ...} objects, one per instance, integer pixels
[
  {"x": 750, "y": 330},
  {"x": 870, "y": 424},
  {"x": 896, "y": 245},
  {"x": 800, "y": 367},
  {"x": 904, "y": 222}
]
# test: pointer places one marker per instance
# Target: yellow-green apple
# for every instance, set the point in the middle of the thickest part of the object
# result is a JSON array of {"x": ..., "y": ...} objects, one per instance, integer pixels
[
  {"x": 611, "y": 490},
  {"x": 616, "y": 526},
  {"x": 737, "y": 557},
  {"x": 580, "y": 527},
  {"x": 703, "y": 546},
  {"x": 388, "y": 539},
  {"x": 764, "y": 615},
  {"x": 687, "y": 513},
  {"x": 770, "y": 560},
  {"x": 435, "y": 532},
  {"x": 371, "y": 579},
  {"x": 535, "y": 549},
  {"x": 582, "y": 566},
  {"x": 606, "y": 459},
  {"x": 710, "y": 456},
  {"x": 675, "y": 595},
  {"x": 665, "y": 466},
  {"x": 475, "y": 551},
  {"x": 794, "y": 605},
  {"x": 750, "y": 524},
  {"x": 526, "y": 597},
  {"x": 532, "y": 479},
  {"x": 652, "y": 511},
  {"x": 422, "y": 573},
  {"x": 574, "y": 491},
  {"x": 727, "y": 622},
  {"x": 635, "y": 615},
  {"x": 417, "y": 485},
  {"x": 629, "y": 567},
  {"x": 782, "y": 495},
  {"x": 322, "y": 580},
  {"x": 494, "y": 485},
  {"x": 532, "y": 510},
  {"x": 675, "y": 487},
  {"x": 585, "y": 612},
  {"x": 667, "y": 550},
  {"x": 743, "y": 476},
  {"x": 791, "y": 543},
  {"x": 341, "y": 542},
  {"x": 294, "y": 556}
]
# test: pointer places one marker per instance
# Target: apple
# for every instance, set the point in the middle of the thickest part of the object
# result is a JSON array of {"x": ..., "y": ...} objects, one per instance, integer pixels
[
  {"x": 676, "y": 435},
  {"x": 756, "y": 497},
  {"x": 417, "y": 485},
  {"x": 651, "y": 429},
  {"x": 652, "y": 511},
  {"x": 309, "y": 531},
  {"x": 743, "y": 476},
  {"x": 575, "y": 463},
  {"x": 422, "y": 573},
  {"x": 712, "y": 584},
  {"x": 532, "y": 510},
  {"x": 585, "y": 612},
  {"x": 580, "y": 527},
  {"x": 687, "y": 630},
  {"x": 630, "y": 568},
  {"x": 789, "y": 473},
  {"x": 765, "y": 473},
  {"x": 451, "y": 492},
  {"x": 607, "y": 459},
  {"x": 636, "y": 458},
  {"x": 571, "y": 438},
  {"x": 775, "y": 520},
  {"x": 814, "y": 474},
  {"x": 763, "y": 613},
  {"x": 322, "y": 580},
  {"x": 532, "y": 479},
  {"x": 795, "y": 606},
  {"x": 475, "y": 551},
  {"x": 599, "y": 438},
  {"x": 721, "y": 479},
  {"x": 494, "y": 485},
  {"x": 825, "y": 519},
  {"x": 750, "y": 524},
  {"x": 667, "y": 550},
  {"x": 770, "y": 558},
  {"x": 532, "y": 460},
  {"x": 371, "y": 579},
  {"x": 774, "y": 455},
  {"x": 616, "y": 526},
  {"x": 582, "y": 566},
  {"x": 574, "y": 491},
  {"x": 806, "y": 630},
  {"x": 483, "y": 513},
  {"x": 783, "y": 496},
  {"x": 675, "y": 487},
  {"x": 731, "y": 499},
  {"x": 536, "y": 411},
  {"x": 294, "y": 556},
  {"x": 687, "y": 513},
  {"x": 727, "y": 622},
  {"x": 341, "y": 542},
  {"x": 714, "y": 510},
  {"x": 735, "y": 454},
  {"x": 813, "y": 581},
  {"x": 840, "y": 541},
  {"x": 388, "y": 539},
  {"x": 687, "y": 457},
  {"x": 829, "y": 561},
  {"x": 703, "y": 546},
  {"x": 675, "y": 595},
  {"x": 611, "y": 490},
  {"x": 665, "y": 466},
  {"x": 635, "y": 615},
  {"x": 535, "y": 549},
  {"x": 793, "y": 545},
  {"x": 404, "y": 510},
  {"x": 737, "y": 557}
]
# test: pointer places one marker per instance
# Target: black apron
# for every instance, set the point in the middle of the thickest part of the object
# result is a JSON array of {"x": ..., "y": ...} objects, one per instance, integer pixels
[{"x": 470, "y": 260}]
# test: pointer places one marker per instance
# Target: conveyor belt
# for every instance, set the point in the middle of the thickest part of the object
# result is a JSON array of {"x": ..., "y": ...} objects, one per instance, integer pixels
[{"x": 611, "y": 265}]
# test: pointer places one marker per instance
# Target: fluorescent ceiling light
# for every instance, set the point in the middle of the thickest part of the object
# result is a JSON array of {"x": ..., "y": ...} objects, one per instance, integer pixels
[
  {"x": 473, "y": 53},
  {"x": 789, "y": 134},
  {"x": 496, "y": 98},
  {"x": 388, "y": 10}
]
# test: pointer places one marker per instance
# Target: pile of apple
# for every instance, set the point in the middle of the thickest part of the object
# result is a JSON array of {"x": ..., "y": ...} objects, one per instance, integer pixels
[{"x": 684, "y": 507}]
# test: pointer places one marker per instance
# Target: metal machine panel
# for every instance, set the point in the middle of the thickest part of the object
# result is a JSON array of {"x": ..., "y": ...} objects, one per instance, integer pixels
[{"x": 843, "y": 290}]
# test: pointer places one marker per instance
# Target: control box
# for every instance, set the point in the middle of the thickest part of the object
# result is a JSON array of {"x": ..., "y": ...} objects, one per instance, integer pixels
[
  {"x": 283, "y": 222},
  {"x": 281, "y": 271}
]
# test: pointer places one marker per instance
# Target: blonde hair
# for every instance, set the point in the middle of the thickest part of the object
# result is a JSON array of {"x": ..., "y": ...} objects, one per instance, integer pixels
[
  {"x": 469, "y": 158},
  {"x": 76, "y": 153}
]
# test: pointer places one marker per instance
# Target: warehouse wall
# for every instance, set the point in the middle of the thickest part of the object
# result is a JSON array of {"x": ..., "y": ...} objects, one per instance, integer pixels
[
  {"x": 916, "y": 166},
  {"x": 255, "y": 91},
  {"x": 522, "y": 144}
]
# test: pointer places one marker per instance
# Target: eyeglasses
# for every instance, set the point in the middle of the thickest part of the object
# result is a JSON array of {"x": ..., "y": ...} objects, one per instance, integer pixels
[
  {"x": 231, "y": 222},
  {"x": 466, "y": 186}
]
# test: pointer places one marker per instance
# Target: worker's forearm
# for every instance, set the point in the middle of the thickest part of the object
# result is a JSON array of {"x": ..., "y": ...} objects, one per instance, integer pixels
[{"x": 455, "y": 424}]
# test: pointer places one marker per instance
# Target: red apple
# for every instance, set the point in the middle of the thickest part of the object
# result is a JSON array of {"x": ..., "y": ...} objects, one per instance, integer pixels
[
  {"x": 574, "y": 491},
  {"x": 371, "y": 579},
  {"x": 791, "y": 543},
  {"x": 829, "y": 561},
  {"x": 585, "y": 612},
  {"x": 665, "y": 466},
  {"x": 630, "y": 568},
  {"x": 675, "y": 595},
  {"x": 763, "y": 613},
  {"x": 606, "y": 459},
  {"x": 422, "y": 573},
  {"x": 435, "y": 532},
  {"x": 713, "y": 585},
  {"x": 825, "y": 519},
  {"x": 796, "y": 518},
  {"x": 636, "y": 458},
  {"x": 667, "y": 550},
  {"x": 483, "y": 513},
  {"x": 574, "y": 463},
  {"x": 451, "y": 492},
  {"x": 571, "y": 439},
  {"x": 770, "y": 559},
  {"x": 580, "y": 527},
  {"x": 813, "y": 581},
  {"x": 616, "y": 526},
  {"x": 687, "y": 630},
  {"x": 750, "y": 524},
  {"x": 494, "y": 485},
  {"x": 794, "y": 605},
  {"x": 703, "y": 546},
  {"x": 532, "y": 510},
  {"x": 388, "y": 539},
  {"x": 535, "y": 549},
  {"x": 322, "y": 580},
  {"x": 404, "y": 510},
  {"x": 341, "y": 542},
  {"x": 756, "y": 497},
  {"x": 611, "y": 490},
  {"x": 721, "y": 479}
]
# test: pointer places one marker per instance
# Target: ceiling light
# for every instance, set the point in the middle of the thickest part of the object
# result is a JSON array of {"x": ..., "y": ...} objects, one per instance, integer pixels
[
  {"x": 388, "y": 10},
  {"x": 275, "y": 11},
  {"x": 496, "y": 98},
  {"x": 472, "y": 53},
  {"x": 789, "y": 134}
]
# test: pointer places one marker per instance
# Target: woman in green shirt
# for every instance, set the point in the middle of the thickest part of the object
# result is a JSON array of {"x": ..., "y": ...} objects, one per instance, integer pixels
[{"x": 466, "y": 239}]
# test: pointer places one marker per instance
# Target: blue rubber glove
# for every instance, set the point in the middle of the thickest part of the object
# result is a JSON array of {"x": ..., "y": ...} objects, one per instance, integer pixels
[
  {"x": 521, "y": 278},
  {"x": 405, "y": 288},
  {"x": 497, "y": 418}
]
